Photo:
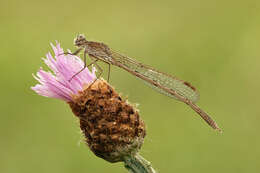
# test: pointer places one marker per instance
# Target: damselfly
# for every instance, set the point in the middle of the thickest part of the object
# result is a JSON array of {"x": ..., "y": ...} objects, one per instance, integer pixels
[{"x": 163, "y": 83}]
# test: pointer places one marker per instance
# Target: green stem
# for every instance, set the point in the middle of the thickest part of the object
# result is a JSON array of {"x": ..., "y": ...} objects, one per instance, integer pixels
[{"x": 137, "y": 164}]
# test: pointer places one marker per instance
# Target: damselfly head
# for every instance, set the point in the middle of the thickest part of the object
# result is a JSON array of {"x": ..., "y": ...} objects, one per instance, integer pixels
[{"x": 80, "y": 40}]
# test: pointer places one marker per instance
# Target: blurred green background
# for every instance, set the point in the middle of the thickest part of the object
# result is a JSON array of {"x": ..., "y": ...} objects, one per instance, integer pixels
[{"x": 215, "y": 45}]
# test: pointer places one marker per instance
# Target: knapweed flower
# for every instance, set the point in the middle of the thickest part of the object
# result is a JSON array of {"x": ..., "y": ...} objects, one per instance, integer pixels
[{"x": 112, "y": 127}]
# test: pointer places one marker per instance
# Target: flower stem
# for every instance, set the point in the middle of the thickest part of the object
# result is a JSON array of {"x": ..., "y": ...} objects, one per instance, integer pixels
[{"x": 137, "y": 164}]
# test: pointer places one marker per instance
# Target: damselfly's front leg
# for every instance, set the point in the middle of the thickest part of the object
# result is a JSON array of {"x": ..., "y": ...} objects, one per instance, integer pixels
[
  {"x": 94, "y": 61},
  {"x": 85, "y": 63},
  {"x": 69, "y": 53},
  {"x": 74, "y": 53}
]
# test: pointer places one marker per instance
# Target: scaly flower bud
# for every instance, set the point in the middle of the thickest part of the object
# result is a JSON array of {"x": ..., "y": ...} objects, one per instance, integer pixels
[{"x": 112, "y": 127}]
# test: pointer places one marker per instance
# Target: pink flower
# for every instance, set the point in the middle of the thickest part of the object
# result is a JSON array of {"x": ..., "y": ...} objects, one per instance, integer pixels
[
  {"x": 56, "y": 84},
  {"x": 112, "y": 127}
]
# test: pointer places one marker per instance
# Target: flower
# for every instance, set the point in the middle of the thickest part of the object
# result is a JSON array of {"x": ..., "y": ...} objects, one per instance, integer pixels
[
  {"x": 57, "y": 84},
  {"x": 112, "y": 127}
]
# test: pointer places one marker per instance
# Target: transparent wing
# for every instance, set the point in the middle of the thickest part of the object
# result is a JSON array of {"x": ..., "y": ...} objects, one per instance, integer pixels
[{"x": 181, "y": 87}]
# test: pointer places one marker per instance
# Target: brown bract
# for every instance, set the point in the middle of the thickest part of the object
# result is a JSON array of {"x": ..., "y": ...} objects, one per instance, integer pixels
[{"x": 111, "y": 126}]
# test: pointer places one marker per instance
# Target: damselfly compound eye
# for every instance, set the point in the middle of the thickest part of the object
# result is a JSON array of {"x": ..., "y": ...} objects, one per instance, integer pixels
[{"x": 79, "y": 40}]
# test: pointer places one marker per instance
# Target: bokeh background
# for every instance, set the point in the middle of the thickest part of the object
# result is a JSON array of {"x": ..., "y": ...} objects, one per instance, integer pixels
[{"x": 214, "y": 44}]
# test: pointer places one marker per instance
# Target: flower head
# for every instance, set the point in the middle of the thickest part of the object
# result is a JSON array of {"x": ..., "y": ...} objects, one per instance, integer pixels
[
  {"x": 56, "y": 84},
  {"x": 112, "y": 127}
]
